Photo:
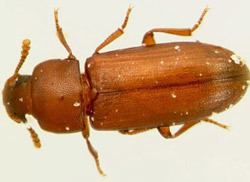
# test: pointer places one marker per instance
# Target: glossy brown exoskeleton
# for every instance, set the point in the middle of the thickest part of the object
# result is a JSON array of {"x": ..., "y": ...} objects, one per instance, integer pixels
[{"x": 130, "y": 90}]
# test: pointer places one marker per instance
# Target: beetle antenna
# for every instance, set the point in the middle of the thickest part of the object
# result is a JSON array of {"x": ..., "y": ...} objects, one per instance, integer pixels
[
  {"x": 34, "y": 136},
  {"x": 24, "y": 54}
]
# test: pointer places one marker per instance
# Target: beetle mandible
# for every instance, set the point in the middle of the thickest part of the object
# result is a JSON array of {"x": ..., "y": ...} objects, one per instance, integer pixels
[{"x": 129, "y": 90}]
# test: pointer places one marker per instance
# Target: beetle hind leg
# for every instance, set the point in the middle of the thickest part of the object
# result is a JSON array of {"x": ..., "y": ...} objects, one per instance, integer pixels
[
  {"x": 166, "y": 133},
  {"x": 149, "y": 40}
]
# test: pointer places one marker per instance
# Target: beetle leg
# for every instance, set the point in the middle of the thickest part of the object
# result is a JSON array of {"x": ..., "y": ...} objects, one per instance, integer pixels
[
  {"x": 133, "y": 132},
  {"x": 149, "y": 40},
  {"x": 216, "y": 123},
  {"x": 166, "y": 133},
  {"x": 60, "y": 35},
  {"x": 91, "y": 149},
  {"x": 115, "y": 34}
]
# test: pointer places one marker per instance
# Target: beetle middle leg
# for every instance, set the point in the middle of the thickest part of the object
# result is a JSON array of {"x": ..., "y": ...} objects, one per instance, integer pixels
[
  {"x": 85, "y": 133},
  {"x": 166, "y": 133},
  {"x": 60, "y": 35},
  {"x": 115, "y": 34},
  {"x": 149, "y": 40}
]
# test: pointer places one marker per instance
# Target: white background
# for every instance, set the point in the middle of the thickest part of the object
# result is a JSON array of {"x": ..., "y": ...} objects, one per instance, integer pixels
[{"x": 204, "y": 153}]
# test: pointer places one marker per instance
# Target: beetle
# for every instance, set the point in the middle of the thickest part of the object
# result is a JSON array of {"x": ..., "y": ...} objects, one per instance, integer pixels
[{"x": 129, "y": 90}]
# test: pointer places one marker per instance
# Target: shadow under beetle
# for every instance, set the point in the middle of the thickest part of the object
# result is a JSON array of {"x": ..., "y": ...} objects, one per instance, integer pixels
[{"x": 129, "y": 90}]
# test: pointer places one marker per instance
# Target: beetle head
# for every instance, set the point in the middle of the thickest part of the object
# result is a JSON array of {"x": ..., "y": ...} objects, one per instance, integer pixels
[{"x": 16, "y": 97}]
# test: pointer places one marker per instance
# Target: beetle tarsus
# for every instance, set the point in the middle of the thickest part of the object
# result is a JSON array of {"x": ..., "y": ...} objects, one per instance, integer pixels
[
  {"x": 216, "y": 123},
  {"x": 95, "y": 156}
]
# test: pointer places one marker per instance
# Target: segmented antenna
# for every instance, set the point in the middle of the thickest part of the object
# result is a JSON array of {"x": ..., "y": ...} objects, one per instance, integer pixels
[
  {"x": 24, "y": 54},
  {"x": 35, "y": 138}
]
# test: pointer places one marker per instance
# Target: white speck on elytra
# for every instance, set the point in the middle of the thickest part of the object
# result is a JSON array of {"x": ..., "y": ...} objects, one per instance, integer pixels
[
  {"x": 173, "y": 95},
  {"x": 216, "y": 51},
  {"x": 89, "y": 65},
  {"x": 177, "y": 58},
  {"x": 67, "y": 128},
  {"x": 162, "y": 62},
  {"x": 76, "y": 104},
  {"x": 156, "y": 82},
  {"x": 132, "y": 63},
  {"x": 200, "y": 74},
  {"x": 244, "y": 87},
  {"x": 177, "y": 48},
  {"x": 41, "y": 70},
  {"x": 20, "y": 99},
  {"x": 119, "y": 76},
  {"x": 207, "y": 63},
  {"x": 101, "y": 123},
  {"x": 229, "y": 60},
  {"x": 116, "y": 55},
  {"x": 8, "y": 103},
  {"x": 187, "y": 113},
  {"x": 35, "y": 78},
  {"x": 116, "y": 110},
  {"x": 237, "y": 59}
]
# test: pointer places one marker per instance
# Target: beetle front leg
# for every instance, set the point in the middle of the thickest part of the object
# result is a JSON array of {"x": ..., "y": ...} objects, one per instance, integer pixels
[
  {"x": 166, "y": 133},
  {"x": 115, "y": 34},
  {"x": 60, "y": 35},
  {"x": 149, "y": 40}
]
